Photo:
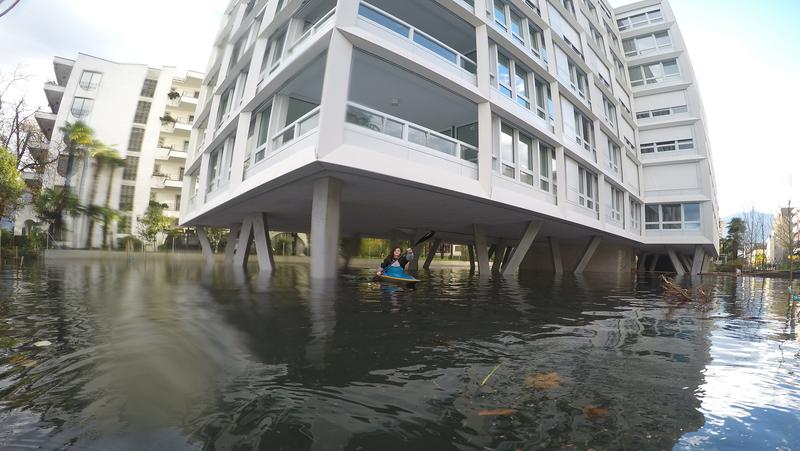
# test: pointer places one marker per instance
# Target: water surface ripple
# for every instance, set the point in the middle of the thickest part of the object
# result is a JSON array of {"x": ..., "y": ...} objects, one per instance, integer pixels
[{"x": 168, "y": 354}]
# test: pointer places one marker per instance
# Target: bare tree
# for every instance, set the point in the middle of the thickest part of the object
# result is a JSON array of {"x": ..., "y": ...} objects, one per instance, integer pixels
[{"x": 752, "y": 238}]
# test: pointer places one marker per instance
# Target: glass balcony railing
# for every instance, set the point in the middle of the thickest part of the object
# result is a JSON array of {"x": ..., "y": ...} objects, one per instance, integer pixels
[
  {"x": 407, "y": 131},
  {"x": 391, "y": 23},
  {"x": 305, "y": 124}
]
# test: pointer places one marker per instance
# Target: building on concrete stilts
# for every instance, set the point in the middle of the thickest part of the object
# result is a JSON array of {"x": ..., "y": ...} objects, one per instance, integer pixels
[{"x": 563, "y": 135}]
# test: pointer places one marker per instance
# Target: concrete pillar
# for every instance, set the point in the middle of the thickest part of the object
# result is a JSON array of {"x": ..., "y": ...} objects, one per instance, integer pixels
[
  {"x": 531, "y": 230},
  {"x": 325, "y": 224},
  {"x": 699, "y": 259},
  {"x": 643, "y": 262},
  {"x": 555, "y": 251},
  {"x": 205, "y": 245},
  {"x": 507, "y": 255},
  {"x": 480, "y": 249},
  {"x": 687, "y": 262},
  {"x": 654, "y": 262},
  {"x": 431, "y": 253},
  {"x": 413, "y": 265},
  {"x": 230, "y": 244},
  {"x": 243, "y": 243},
  {"x": 266, "y": 263},
  {"x": 587, "y": 254},
  {"x": 490, "y": 253},
  {"x": 471, "y": 250},
  {"x": 676, "y": 262},
  {"x": 499, "y": 255}
]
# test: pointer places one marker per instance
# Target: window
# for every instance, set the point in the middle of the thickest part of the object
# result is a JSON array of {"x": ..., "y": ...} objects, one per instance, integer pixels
[
  {"x": 237, "y": 51},
  {"x": 615, "y": 212},
  {"x": 142, "y": 111},
  {"x": 521, "y": 84},
  {"x": 537, "y": 45},
  {"x": 90, "y": 80},
  {"x": 263, "y": 136},
  {"x": 543, "y": 100},
  {"x": 569, "y": 6},
  {"x": 214, "y": 163},
  {"x": 636, "y": 216},
  {"x": 500, "y": 16},
  {"x": 180, "y": 173},
  {"x": 135, "y": 140},
  {"x": 672, "y": 216},
  {"x": 610, "y": 112},
  {"x": 592, "y": 9},
  {"x": 597, "y": 37},
  {"x": 649, "y": 43},
  {"x": 507, "y": 153},
  {"x": 640, "y": 20},
  {"x": 578, "y": 80},
  {"x": 662, "y": 112},
  {"x": 177, "y": 202},
  {"x": 149, "y": 87},
  {"x": 614, "y": 156},
  {"x": 516, "y": 28},
  {"x": 524, "y": 155},
  {"x": 619, "y": 68},
  {"x": 131, "y": 168},
  {"x": 126, "y": 197},
  {"x": 584, "y": 133},
  {"x": 667, "y": 146},
  {"x": 504, "y": 74},
  {"x": 614, "y": 38},
  {"x": 274, "y": 51},
  {"x": 225, "y": 103},
  {"x": 81, "y": 107},
  {"x": 587, "y": 188},
  {"x": 659, "y": 72}
]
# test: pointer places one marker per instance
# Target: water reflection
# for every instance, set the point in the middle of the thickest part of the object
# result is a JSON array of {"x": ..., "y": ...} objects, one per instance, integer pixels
[{"x": 169, "y": 354}]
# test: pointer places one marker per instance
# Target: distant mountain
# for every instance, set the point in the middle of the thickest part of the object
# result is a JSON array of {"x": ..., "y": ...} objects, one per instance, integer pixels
[{"x": 767, "y": 217}]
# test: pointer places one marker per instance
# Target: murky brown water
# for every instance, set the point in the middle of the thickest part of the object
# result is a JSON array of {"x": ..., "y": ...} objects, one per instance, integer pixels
[{"x": 169, "y": 355}]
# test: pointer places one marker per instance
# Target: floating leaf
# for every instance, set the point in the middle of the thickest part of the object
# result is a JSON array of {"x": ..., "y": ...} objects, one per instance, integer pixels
[
  {"x": 543, "y": 381},
  {"x": 493, "y": 412},
  {"x": 594, "y": 412},
  {"x": 42, "y": 344}
]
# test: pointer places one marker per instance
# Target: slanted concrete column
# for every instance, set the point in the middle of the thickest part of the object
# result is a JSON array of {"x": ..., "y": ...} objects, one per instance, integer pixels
[
  {"x": 205, "y": 245},
  {"x": 499, "y": 255},
  {"x": 413, "y": 265},
  {"x": 243, "y": 243},
  {"x": 555, "y": 251},
  {"x": 325, "y": 224},
  {"x": 230, "y": 244},
  {"x": 491, "y": 250},
  {"x": 676, "y": 262},
  {"x": 525, "y": 243},
  {"x": 480, "y": 249},
  {"x": 654, "y": 262},
  {"x": 431, "y": 253},
  {"x": 266, "y": 263},
  {"x": 698, "y": 260},
  {"x": 471, "y": 250},
  {"x": 587, "y": 254},
  {"x": 687, "y": 263}
]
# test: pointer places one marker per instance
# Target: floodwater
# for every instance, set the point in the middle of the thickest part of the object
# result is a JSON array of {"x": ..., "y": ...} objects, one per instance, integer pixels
[{"x": 168, "y": 354}]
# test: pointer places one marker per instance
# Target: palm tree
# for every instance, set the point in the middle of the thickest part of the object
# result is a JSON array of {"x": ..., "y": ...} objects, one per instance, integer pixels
[
  {"x": 104, "y": 156},
  {"x": 77, "y": 136},
  {"x": 50, "y": 205}
]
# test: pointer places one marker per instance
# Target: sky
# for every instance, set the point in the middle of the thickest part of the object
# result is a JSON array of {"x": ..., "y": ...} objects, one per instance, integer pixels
[{"x": 744, "y": 54}]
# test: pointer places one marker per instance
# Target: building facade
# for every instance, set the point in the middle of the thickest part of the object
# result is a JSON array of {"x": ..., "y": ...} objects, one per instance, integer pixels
[
  {"x": 145, "y": 113},
  {"x": 517, "y": 127}
]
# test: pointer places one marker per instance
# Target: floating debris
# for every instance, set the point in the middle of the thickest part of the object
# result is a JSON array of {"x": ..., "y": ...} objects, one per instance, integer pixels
[
  {"x": 676, "y": 292},
  {"x": 543, "y": 381},
  {"x": 7, "y": 342},
  {"x": 595, "y": 413},
  {"x": 495, "y": 412},
  {"x": 486, "y": 379},
  {"x": 42, "y": 344},
  {"x": 21, "y": 360}
]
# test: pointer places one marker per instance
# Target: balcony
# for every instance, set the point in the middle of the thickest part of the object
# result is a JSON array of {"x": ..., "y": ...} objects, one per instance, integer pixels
[
  {"x": 54, "y": 94},
  {"x": 46, "y": 122},
  {"x": 63, "y": 69},
  {"x": 400, "y": 114},
  {"x": 426, "y": 38},
  {"x": 169, "y": 153},
  {"x": 161, "y": 181}
]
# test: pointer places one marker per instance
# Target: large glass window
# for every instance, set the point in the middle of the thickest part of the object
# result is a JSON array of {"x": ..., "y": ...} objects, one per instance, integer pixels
[
  {"x": 519, "y": 156},
  {"x": 142, "y": 111},
  {"x": 500, "y": 14},
  {"x": 507, "y": 152},
  {"x": 584, "y": 133},
  {"x": 636, "y": 215},
  {"x": 135, "y": 139},
  {"x": 615, "y": 212},
  {"x": 131, "y": 168},
  {"x": 126, "y": 193},
  {"x": 514, "y": 80},
  {"x": 610, "y": 111},
  {"x": 504, "y": 74},
  {"x": 640, "y": 20},
  {"x": 149, "y": 87},
  {"x": 659, "y": 72},
  {"x": 526, "y": 159},
  {"x": 614, "y": 156},
  {"x": 81, "y": 107},
  {"x": 90, "y": 80},
  {"x": 521, "y": 82},
  {"x": 672, "y": 216},
  {"x": 587, "y": 188}
]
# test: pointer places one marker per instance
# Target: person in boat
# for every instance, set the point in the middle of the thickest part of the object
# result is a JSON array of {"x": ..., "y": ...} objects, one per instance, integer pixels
[{"x": 396, "y": 262}]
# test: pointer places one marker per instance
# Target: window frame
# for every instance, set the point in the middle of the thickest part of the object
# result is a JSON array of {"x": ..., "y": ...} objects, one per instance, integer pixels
[
  {"x": 90, "y": 85},
  {"x": 86, "y": 105}
]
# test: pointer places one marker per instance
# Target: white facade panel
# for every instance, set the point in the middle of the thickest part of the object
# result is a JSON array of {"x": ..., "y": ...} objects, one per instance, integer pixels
[
  {"x": 678, "y": 177},
  {"x": 666, "y": 134},
  {"x": 662, "y": 100}
]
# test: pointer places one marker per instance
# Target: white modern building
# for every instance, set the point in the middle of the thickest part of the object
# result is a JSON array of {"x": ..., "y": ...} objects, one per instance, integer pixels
[
  {"x": 145, "y": 113},
  {"x": 550, "y": 134}
]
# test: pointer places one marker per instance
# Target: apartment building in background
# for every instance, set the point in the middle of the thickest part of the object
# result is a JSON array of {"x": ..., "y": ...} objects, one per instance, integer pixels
[
  {"x": 145, "y": 113},
  {"x": 559, "y": 135}
]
